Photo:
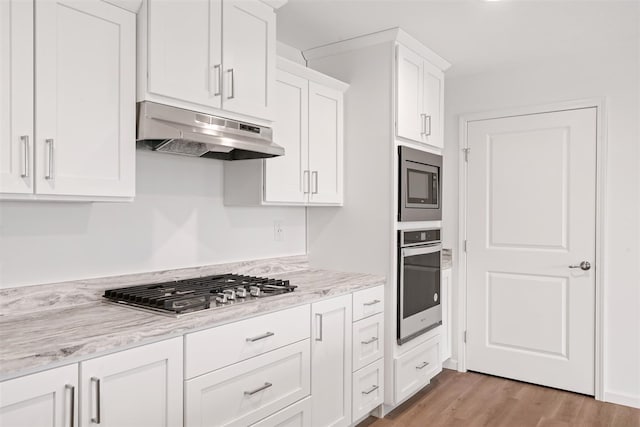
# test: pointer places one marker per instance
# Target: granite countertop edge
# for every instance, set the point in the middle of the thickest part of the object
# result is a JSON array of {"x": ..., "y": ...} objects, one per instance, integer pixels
[{"x": 45, "y": 339}]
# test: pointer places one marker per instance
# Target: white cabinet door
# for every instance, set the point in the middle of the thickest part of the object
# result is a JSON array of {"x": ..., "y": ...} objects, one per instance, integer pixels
[
  {"x": 248, "y": 57},
  {"x": 138, "y": 387},
  {"x": 85, "y": 98},
  {"x": 325, "y": 144},
  {"x": 16, "y": 96},
  {"x": 184, "y": 54},
  {"x": 296, "y": 415},
  {"x": 45, "y": 399},
  {"x": 445, "y": 299},
  {"x": 287, "y": 177},
  {"x": 331, "y": 362},
  {"x": 409, "y": 96},
  {"x": 432, "y": 105}
]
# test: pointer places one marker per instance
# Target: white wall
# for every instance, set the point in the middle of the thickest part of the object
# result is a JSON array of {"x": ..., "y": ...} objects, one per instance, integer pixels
[
  {"x": 614, "y": 74},
  {"x": 177, "y": 220}
]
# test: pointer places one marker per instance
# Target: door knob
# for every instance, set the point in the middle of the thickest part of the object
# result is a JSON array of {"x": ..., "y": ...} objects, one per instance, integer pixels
[{"x": 584, "y": 265}]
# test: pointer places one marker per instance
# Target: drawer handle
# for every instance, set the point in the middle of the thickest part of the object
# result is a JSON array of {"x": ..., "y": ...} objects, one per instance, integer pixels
[
  {"x": 96, "y": 419},
  {"x": 260, "y": 337},
  {"x": 374, "y": 302},
  {"x": 371, "y": 390},
  {"x": 252, "y": 392},
  {"x": 424, "y": 365},
  {"x": 369, "y": 341}
]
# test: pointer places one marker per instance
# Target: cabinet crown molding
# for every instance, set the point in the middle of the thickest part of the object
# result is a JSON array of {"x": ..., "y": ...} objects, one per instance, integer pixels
[
  {"x": 310, "y": 74},
  {"x": 396, "y": 35}
]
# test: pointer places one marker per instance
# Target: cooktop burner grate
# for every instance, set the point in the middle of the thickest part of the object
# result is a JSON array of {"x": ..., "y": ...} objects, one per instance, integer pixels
[{"x": 189, "y": 295}]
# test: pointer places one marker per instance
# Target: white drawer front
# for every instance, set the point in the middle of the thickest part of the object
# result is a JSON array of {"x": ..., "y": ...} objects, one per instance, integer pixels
[
  {"x": 368, "y": 302},
  {"x": 296, "y": 415},
  {"x": 246, "y": 392},
  {"x": 368, "y": 340},
  {"x": 415, "y": 369},
  {"x": 208, "y": 350},
  {"x": 368, "y": 390}
]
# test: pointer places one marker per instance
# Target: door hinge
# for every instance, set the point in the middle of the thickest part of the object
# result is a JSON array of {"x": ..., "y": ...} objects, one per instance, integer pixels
[
  {"x": 466, "y": 153},
  {"x": 464, "y": 337}
]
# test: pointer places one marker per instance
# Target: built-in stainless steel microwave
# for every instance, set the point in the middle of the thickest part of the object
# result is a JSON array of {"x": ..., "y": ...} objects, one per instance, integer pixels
[{"x": 420, "y": 180}]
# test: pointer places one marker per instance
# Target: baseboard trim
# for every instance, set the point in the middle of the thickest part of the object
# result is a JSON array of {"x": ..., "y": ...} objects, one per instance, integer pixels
[
  {"x": 622, "y": 399},
  {"x": 450, "y": 364}
]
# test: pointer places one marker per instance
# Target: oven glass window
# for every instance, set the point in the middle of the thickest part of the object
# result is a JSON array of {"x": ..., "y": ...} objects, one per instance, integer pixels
[
  {"x": 422, "y": 186},
  {"x": 421, "y": 283}
]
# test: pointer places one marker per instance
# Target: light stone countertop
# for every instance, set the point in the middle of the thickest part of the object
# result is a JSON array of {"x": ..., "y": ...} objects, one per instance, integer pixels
[{"x": 55, "y": 328}]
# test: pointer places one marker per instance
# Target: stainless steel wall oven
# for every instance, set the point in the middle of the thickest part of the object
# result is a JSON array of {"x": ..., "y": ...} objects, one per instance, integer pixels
[
  {"x": 420, "y": 181},
  {"x": 419, "y": 308}
]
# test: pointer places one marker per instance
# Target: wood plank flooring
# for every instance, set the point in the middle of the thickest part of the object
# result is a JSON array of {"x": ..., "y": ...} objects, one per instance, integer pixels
[{"x": 469, "y": 399}]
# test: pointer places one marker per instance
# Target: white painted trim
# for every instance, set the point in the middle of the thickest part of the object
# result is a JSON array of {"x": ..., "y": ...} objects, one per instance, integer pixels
[
  {"x": 622, "y": 399},
  {"x": 601, "y": 169},
  {"x": 129, "y": 5},
  {"x": 450, "y": 364},
  {"x": 310, "y": 74},
  {"x": 395, "y": 34},
  {"x": 275, "y": 4}
]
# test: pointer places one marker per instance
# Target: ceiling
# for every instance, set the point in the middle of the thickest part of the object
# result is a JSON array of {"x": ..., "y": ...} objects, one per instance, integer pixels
[{"x": 474, "y": 35}]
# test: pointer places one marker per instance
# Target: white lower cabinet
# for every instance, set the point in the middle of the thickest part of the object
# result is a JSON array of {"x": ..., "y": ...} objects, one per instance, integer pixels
[
  {"x": 368, "y": 389},
  {"x": 246, "y": 392},
  {"x": 46, "y": 399},
  {"x": 296, "y": 415},
  {"x": 331, "y": 362},
  {"x": 138, "y": 387},
  {"x": 415, "y": 368},
  {"x": 368, "y": 340}
]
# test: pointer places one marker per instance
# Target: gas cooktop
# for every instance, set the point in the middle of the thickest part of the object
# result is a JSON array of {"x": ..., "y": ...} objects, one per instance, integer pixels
[{"x": 191, "y": 295}]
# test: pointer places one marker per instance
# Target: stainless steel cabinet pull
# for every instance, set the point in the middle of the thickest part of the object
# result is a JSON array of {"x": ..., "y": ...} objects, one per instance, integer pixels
[
  {"x": 371, "y": 390},
  {"x": 423, "y": 124},
  {"x": 72, "y": 404},
  {"x": 584, "y": 265},
  {"x": 25, "y": 155},
  {"x": 96, "y": 381},
  {"x": 252, "y": 392},
  {"x": 375, "y": 301},
  {"x": 232, "y": 88},
  {"x": 315, "y": 182},
  {"x": 424, "y": 365},
  {"x": 427, "y": 120},
  {"x": 261, "y": 337},
  {"x": 49, "y": 174},
  {"x": 305, "y": 182},
  {"x": 369, "y": 341},
  {"x": 217, "y": 70},
  {"x": 319, "y": 323}
]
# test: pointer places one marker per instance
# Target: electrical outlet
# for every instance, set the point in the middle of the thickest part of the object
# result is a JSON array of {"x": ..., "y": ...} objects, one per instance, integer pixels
[{"x": 278, "y": 231}]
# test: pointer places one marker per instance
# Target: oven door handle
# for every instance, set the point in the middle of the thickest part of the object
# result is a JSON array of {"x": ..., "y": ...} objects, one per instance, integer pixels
[{"x": 421, "y": 250}]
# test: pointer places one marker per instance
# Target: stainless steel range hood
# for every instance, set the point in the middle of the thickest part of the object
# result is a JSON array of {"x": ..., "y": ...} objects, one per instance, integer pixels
[{"x": 179, "y": 131}]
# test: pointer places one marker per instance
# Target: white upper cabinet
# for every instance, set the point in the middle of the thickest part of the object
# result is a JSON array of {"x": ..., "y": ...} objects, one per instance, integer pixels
[
  {"x": 288, "y": 176},
  {"x": 16, "y": 96},
  {"x": 184, "y": 51},
  {"x": 325, "y": 144},
  {"x": 85, "y": 99},
  {"x": 419, "y": 98},
  {"x": 214, "y": 56}
]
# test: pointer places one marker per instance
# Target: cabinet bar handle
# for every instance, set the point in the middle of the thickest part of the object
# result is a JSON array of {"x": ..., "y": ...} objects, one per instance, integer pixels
[
  {"x": 305, "y": 182},
  {"x": 232, "y": 91},
  {"x": 319, "y": 323},
  {"x": 371, "y": 390},
  {"x": 252, "y": 392},
  {"x": 96, "y": 381},
  {"x": 424, "y": 365},
  {"x": 369, "y": 341},
  {"x": 315, "y": 182},
  {"x": 217, "y": 69},
  {"x": 72, "y": 404},
  {"x": 423, "y": 124},
  {"x": 260, "y": 337},
  {"x": 427, "y": 119},
  {"x": 25, "y": 154},
  {"x": 375, "y": 301},
  {"x": 49, "y": 174}
]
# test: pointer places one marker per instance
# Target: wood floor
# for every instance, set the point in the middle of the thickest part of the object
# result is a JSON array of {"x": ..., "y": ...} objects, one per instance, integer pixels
[{"x": 470, "y": 399}]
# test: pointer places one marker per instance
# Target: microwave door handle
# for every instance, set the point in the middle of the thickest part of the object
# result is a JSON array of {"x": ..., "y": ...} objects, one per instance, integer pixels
[{"x": 421, "y": 250}]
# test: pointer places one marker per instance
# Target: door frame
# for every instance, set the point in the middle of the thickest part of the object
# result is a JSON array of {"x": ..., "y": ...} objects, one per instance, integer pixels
[{"x": 601, "y": 169}]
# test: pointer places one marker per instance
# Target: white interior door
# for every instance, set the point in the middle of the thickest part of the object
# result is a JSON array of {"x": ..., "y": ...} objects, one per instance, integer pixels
[
  {"x": 287, "y": 177},
  {"x": 532, "y": 215}
]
